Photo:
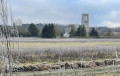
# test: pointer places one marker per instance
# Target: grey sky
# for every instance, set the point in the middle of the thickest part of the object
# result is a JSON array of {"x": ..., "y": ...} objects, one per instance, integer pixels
[{"x": 102, "y": 12}]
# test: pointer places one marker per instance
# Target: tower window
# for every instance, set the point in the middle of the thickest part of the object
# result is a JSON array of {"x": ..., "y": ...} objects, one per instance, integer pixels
[{"x": 85, "y": 18}]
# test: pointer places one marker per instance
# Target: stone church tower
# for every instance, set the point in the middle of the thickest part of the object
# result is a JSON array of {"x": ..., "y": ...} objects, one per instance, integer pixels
[{"x": 85, "y": 22}]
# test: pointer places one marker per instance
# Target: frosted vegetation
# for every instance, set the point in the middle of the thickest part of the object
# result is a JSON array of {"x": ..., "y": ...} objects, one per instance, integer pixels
[
  {"x": 6, "y": 45},
  {"x": 41, "y": 57},
  {"x": 33, "y": 39}
]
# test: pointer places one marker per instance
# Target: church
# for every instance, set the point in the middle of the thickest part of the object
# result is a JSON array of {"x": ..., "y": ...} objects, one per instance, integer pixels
[{"x": 84, "y": 21}]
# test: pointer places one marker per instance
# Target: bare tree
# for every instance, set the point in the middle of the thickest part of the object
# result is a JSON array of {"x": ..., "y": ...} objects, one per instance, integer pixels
[{"x": 6, "y": 43}]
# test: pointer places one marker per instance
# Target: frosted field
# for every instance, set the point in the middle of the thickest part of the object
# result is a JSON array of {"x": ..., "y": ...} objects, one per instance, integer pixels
[
  {"x": 71, "y": 49},
  {"x": 65, "y": 43},
  {"x": 36, "y": 47},
  {"x": 36, "y": 51},
  {"x": 64, "y": 40}
]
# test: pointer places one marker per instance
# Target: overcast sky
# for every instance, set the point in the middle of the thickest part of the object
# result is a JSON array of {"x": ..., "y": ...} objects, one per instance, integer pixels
[{"x": 101, "y": 12}]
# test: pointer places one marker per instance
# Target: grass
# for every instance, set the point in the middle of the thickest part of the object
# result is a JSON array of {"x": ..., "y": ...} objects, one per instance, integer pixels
[{"x": 65, "y": 44}]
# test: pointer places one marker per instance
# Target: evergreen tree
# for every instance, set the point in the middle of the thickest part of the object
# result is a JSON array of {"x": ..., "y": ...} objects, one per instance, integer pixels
[
  {"x": 33, "y": 30},
  {"x": 72, "y": 33},
  {"x": 83, "y": 31},
  {"x": 94, "y": 33},
  {"x": 51, "y": 31},
  {"x": 45, "y": 31},
  {"x": 48, "y": 31},
  {"x": 79, "y": 31}
]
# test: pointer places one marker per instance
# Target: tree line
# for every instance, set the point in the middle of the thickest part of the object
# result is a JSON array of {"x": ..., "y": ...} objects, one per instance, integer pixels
[
  {"x": 54, "y": 31},
  {"x": 81, "y": 32},
  {"x": 48, "y": 31}
]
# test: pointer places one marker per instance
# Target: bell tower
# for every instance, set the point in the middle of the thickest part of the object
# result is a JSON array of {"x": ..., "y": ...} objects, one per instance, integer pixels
[{"x": 85, "y": 22}]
